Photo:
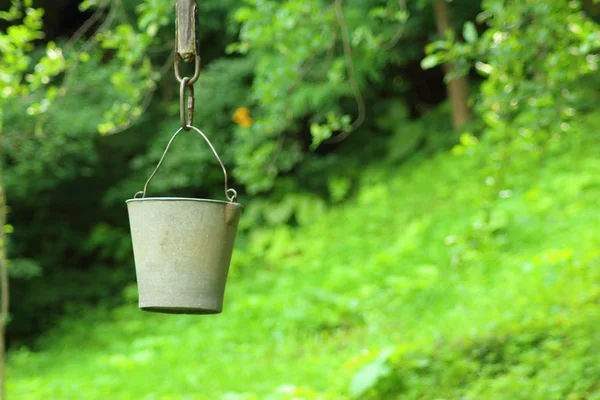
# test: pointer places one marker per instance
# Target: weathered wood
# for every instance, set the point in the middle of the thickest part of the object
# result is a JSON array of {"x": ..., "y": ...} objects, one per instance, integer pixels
[{"x": 187, "y": 18}]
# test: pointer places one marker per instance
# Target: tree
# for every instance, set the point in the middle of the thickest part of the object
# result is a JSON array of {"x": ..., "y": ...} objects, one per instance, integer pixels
[
  {"x": 458, "y": 87},
  {"x": 536, "y": 58},
  {"x": 17, "y": 81},
  {"x": 298, "y": 73},
  {"x": 4, "y": 299},
  {"x": 314, "y": 57}
]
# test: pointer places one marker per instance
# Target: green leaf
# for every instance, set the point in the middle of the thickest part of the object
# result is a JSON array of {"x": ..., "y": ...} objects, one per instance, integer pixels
[
  {"x": 483, "y": 68},
  {"x": 369, "y": 375},
  {"x": 24, "y": 268},
  {"x": 319, "y": 133},
  {"x": 470, "y": 32},
  {"x": 430, "y": 61},
  {"x": 366, "y": 379}
]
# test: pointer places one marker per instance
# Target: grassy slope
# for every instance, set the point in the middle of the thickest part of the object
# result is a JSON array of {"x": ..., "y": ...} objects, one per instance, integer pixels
[{"x": 403, "y": 266}]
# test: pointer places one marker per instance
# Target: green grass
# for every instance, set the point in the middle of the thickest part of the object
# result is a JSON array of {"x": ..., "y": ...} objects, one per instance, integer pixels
[{"x": 405, "y": 291}]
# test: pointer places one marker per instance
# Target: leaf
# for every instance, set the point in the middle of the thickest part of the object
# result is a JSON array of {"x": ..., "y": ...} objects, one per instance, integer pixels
[
  {"x": 470, "y": 32},
  {"x": 152, "y": 29},
  {"x": 319, "y": 133},
  {"x": 483, "y": 68},
  {"x": 366, "y": 379},
  {"x": 430, "y": 61},
  {"x": 369, "y": 375},
  {"x": 436, "y": 46},
  {"x": 24, "y": 268}
]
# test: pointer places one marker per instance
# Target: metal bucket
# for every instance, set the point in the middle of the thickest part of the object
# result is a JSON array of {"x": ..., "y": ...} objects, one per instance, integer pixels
[{"x": 182, "y": 248}]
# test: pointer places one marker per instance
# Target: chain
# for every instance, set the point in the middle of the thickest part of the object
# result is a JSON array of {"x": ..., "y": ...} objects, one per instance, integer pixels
[
  {"x": 186, "y": 48},
  {"x": 186, "y": 124}
]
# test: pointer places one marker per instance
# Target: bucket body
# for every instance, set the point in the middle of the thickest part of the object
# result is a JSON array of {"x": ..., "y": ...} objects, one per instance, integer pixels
[{"x": 182, "y": 249}]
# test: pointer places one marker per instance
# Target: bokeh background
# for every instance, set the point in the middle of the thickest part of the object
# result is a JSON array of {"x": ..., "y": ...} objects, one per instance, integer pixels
[{"x": 421, "y": 182}]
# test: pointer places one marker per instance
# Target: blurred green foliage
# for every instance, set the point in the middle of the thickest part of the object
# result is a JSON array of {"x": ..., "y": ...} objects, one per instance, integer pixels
[
  {"x": 397, "y": 293},
  {"x": 66, "y": 183},
  {"x": 407, "y": 261}
]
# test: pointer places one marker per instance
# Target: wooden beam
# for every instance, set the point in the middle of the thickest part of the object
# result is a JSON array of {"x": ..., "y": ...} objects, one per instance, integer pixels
[{"x": 187, "y": 21}]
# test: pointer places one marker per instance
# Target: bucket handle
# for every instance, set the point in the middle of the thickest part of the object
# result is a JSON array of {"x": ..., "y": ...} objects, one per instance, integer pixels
[{"x": 231, "y": 194}]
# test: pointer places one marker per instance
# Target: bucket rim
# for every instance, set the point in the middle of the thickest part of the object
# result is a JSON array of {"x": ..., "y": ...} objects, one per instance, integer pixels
[{"x": 165, "y": 199}]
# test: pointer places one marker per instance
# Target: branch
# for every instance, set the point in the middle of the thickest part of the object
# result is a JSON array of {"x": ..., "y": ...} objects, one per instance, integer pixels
[
  {"x": 147, "y": 98},
  {"x": 4, "y": 299},
  {"x": 124, "y": 16},
  {"x": 329, "y": 56},
  {"x": 83, "y": 29},
  {"x": 105, "y": 25},
  {"x": 399, "y": 33},
  {"x": 360, "y": 102}
]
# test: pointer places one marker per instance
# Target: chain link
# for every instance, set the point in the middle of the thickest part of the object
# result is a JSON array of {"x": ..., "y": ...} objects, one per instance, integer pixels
[
  {"x": 196, "y": 75},
  {"x": 186, "y": 124}
]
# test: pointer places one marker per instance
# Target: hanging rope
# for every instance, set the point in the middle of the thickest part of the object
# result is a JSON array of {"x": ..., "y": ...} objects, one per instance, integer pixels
[{"x": 360, "y": 102}]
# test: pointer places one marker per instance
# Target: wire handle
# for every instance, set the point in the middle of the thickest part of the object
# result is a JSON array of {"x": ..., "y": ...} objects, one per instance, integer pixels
[{"x": 231, "y": 197}]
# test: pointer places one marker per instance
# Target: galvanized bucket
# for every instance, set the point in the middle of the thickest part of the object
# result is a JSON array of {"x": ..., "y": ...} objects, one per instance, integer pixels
[{"x": 182, "y": 248}]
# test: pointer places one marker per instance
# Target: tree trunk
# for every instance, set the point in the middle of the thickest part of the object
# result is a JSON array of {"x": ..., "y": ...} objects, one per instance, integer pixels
[
  {"x": 458, "y": 88},
  {"x": 592, "y": 9},
  {"x": 4, "y": 298}
]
